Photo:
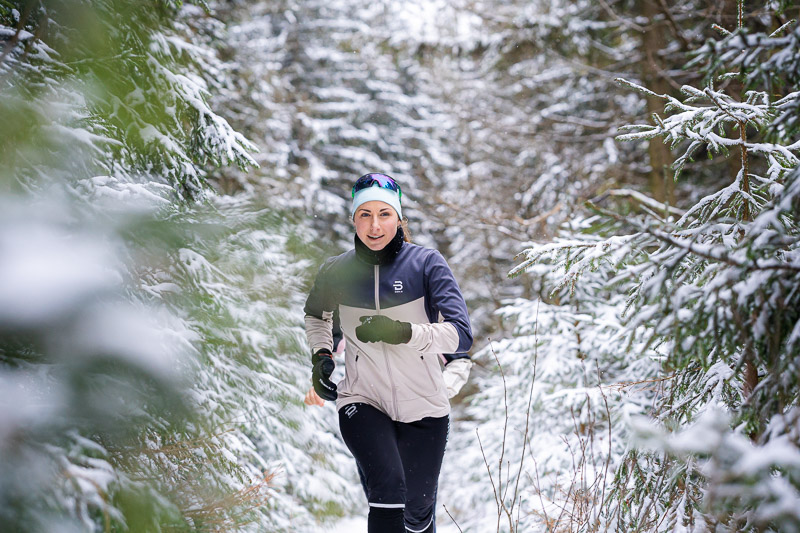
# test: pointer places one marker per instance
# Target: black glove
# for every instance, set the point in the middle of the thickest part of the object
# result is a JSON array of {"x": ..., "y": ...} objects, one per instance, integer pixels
[
  {"x": 321, "y": 373},
  {"x": 379, "y": 328}
]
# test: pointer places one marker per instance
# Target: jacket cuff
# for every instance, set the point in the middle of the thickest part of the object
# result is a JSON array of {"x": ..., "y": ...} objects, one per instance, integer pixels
[
  {"x": 456, "y": 374},
  {"x": 441, "y": 337}
]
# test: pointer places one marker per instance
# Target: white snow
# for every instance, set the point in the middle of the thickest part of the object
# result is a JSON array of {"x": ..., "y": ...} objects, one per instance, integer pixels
[
  {"x": 46, "y": 270},
  {"x": 359, "y": 525}
]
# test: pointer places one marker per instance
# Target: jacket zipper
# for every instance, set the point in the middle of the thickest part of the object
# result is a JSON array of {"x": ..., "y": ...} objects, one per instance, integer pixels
[
  {"x": 428, "y": 371},
  {"x": 355, "y": 365},
  {"x": 383, "y": 344}
]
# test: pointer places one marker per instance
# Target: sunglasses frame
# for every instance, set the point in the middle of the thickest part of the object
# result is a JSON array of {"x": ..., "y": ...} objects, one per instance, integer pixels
[{"x": 384, "y": 181}]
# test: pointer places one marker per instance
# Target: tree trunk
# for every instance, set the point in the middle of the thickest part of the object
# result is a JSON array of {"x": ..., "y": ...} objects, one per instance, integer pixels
[{"x": 653, "y": 42}]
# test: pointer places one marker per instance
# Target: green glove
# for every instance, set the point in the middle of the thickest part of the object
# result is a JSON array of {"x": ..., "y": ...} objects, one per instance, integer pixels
[{"x": 379, "y": 328}]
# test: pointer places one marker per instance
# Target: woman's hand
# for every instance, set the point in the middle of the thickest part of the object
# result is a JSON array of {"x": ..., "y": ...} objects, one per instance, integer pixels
[
  {"x": 312, "y": 398},
  {"x": 379, "y": 328},
  {"x": 323, "y": 365}
]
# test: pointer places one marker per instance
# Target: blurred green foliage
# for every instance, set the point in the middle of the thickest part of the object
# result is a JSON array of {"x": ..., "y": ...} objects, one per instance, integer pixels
[
  {"x": 108, "y": 87},
  {"x": 106, "y": 129}
]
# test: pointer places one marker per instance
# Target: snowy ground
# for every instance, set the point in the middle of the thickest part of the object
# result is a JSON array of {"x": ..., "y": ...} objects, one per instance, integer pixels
[{"x": 359, "y": 525}]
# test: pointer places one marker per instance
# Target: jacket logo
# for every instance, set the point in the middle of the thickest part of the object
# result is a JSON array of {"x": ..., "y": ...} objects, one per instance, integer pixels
[{"x": 398, "y": 286}]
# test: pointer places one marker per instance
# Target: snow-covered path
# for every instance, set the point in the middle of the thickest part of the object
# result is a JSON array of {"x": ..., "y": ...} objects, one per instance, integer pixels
[{"x": 359, "y": 525}]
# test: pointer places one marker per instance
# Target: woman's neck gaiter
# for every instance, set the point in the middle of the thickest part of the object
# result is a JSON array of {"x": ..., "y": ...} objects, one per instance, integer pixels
[{"x": 383, "y": 256}]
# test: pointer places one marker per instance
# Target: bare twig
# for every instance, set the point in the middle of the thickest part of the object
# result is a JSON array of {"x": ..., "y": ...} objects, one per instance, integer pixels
[
  {"x": 453, "y": 519},
  {"x": 530, "y": 397},
  {"x": 608, "y": 456},
  {"x": 501, "y": 491},
  {"x": 676, "y": 30},
  {"x": 539, "y": 492},
  {"x": 624, "y": 21},
  {"x": 503, "y": 443},
  {"x": 574, "y": 476},
  {"x": 491, "y": 478}
]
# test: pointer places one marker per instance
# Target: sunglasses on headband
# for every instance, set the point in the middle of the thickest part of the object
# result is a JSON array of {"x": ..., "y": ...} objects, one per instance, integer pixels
[{"x": 381, "y": 180}]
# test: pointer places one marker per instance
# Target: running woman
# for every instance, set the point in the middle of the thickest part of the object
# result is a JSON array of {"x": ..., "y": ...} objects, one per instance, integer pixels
[{"x": 406, "y": 335}]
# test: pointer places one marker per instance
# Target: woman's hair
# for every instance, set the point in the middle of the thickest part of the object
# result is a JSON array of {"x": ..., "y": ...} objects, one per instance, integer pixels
[{"x": 406, "y": 233}]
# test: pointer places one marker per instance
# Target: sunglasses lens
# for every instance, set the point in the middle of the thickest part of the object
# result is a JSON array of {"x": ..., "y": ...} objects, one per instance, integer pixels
[{"x": 381, "y": 180}]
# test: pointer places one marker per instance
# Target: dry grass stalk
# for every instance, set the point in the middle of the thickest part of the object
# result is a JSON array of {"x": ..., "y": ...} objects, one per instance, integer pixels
[{"x": 232, "y": 510}]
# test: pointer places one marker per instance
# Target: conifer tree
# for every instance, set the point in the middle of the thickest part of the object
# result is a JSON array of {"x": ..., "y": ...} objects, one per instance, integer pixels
[
  {"x": 712, "y": 289},
  {"x": 127, "y": 404},
  {"x": 120, "y": 85}
]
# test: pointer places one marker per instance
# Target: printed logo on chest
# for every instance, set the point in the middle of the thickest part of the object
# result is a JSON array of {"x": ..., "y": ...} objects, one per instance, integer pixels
[{"x": 398, "y": 286}]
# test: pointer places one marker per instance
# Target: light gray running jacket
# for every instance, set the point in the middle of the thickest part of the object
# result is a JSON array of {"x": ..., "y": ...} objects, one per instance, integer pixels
[{"x": 404, "y": 381}]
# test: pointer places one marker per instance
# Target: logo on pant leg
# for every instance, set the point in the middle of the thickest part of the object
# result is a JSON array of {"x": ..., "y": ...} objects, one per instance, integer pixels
[{"x": 350, "y": 410}]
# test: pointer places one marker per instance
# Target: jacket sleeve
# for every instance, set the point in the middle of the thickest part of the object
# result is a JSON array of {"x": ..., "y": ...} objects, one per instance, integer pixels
[
  {"x": 319, "y": 311},
  {"x": 452, "y": 334}
]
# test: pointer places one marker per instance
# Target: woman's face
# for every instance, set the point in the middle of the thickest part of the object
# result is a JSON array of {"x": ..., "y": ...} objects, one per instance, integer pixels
[{"x": 376, "y": 224}]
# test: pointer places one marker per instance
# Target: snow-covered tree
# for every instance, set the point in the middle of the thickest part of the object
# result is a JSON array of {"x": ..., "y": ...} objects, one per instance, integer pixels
[
  {"x": 123, "y": 401},
  {"x": 110, "y": 87},
  {"x": 712, "y": 289},
  {"x": 239, "y": 279},
  {"x": 498, "y": 118},
  {"x": 328, "y": 95}
]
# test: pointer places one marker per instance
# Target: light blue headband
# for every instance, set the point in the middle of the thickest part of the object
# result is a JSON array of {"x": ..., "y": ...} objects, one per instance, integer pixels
[{"x": 377, "y": 193}]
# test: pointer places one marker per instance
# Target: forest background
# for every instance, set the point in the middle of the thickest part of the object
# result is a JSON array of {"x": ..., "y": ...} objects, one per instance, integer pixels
[{"x": 614, "y": 184}]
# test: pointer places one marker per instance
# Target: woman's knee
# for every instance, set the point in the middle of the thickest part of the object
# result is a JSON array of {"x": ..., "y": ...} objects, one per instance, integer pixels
[
  {"x": 420, "y": 512},
  {"x": 386, "y": 486}
]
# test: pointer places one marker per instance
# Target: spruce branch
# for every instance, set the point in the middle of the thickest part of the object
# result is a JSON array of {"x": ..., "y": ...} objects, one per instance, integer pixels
[
  {"x": 783, "y": 28},
  {"x": 721, "y": 30},
  {"x": 720, "y": 254},
  {"x": 640, "y": 198},
  {"x": 23, "y": 21},
  {"x": 640, "y": 89}
]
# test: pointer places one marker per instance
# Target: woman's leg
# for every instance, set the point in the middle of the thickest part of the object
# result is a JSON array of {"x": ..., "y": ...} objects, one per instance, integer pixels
[
  {"x": 371, "y": 437},
  {"x": 421, "y": 445}
]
